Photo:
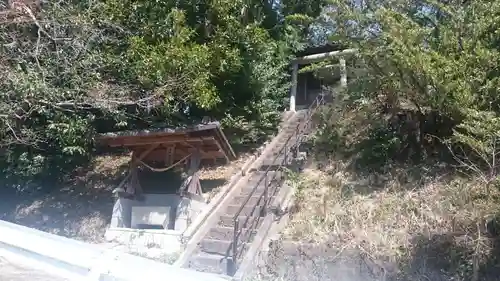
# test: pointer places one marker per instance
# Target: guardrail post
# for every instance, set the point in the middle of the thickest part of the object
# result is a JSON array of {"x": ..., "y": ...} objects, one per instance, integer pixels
[
  {"x": 286, "y": 155},
  {"x": 343, "y": 72},
  {"x": 293, "y": 91},
  {"x": 235, "y": 244},
  {"x": 297, "y": 142},
  {"x": 263, "y": 209}
]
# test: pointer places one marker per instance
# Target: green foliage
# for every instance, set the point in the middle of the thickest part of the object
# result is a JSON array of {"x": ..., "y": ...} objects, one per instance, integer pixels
[
  {"x": 428, "y": 72},
  {"x": 479, "y": 131},
  {"x": 69, "y": 70},
  {"x": 477, "y": 140}
]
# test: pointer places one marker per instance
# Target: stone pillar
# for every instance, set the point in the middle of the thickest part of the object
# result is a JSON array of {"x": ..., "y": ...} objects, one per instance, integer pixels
[
  {"x": 343, "y": 72},
  {"x": 306, "y": 94},
  {"x": 293, "y": 93}
]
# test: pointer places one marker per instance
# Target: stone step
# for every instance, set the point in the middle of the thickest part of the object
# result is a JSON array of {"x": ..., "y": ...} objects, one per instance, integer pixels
[
  {"x": 286, "y": 132},
  {"x": 278, "y": 156},
  {"x": 221, "y": 247},
  {"x": 238, "y": 200},
  {"x": 288, "y": 141},
  {"x": 228, "y": 221},
  {"x": 260, "y": 189},
  {"x": 273, "y": 165},
  {"x": 284, "y": 139},
  {"x": 279, "y": 146},
  {"x": 271, "y": 180},
  {"x": 276, "y": 153},
  {"x": 290, "y": 128},
  {"x": 211, "y": 263},
  {"x": 257, "y": 175},
  {"x": 259, "y": 183},
  {"x": 226, "y": 233},
  {"x": 214, "y": 246},
  {"x": 215, "y": 249},
  {"x": 248, "y": 210},
  {"x": 274, "y": 161},
  {"x": 249, "y": 188}
]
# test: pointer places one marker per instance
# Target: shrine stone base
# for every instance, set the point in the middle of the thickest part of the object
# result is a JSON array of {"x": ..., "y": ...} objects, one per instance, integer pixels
[{"x": 156, "y": 221}]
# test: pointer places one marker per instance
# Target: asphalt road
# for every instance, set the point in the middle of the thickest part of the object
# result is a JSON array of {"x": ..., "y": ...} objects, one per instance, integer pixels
[{"x": 16, "y": 272}]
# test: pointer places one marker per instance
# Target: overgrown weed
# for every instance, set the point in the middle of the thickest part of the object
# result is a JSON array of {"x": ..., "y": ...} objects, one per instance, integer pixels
[{"x": 439, "y": 227}]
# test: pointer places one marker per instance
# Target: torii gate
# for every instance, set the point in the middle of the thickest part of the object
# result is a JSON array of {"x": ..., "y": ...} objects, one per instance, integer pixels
[{"x": 316, "y": 58}]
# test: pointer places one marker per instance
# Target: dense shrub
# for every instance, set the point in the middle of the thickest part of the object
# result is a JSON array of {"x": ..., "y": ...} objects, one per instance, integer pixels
[
  {"x": 427, "y": 85},
  {"x": 71, "y": 69}
]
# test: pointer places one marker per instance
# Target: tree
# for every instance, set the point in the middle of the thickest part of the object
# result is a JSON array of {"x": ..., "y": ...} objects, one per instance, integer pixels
[
  {"x": 73, "y": 69},
  {"x": 424, "y": 64}
]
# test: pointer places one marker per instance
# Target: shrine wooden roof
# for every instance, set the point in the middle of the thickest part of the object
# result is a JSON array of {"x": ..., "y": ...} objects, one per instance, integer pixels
[{"x": 209, "y": 138}]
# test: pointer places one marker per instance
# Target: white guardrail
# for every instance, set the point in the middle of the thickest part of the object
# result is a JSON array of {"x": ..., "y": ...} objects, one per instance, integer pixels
[{"x": 75, "y": 260}]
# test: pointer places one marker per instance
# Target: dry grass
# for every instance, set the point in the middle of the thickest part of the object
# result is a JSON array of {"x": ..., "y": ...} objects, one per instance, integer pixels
[
  {"x": 83, "y": 216},
  {"x": 435, "y": 229},
  {"x": 80, "y": 209},
  {"x": 214, "y": 178}
]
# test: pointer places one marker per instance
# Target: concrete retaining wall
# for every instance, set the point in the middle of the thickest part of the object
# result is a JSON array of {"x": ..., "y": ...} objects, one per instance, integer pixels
[
  {"x": 171, "y": 211},
  {"x": 140, "y": 240}
]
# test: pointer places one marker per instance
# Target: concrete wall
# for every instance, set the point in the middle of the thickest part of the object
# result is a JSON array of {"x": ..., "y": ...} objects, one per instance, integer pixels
[
  {"x": 145, "y": 240},
  {"x": 122, "y": 210},
  {"x": 187, "y": 211},
  {"x": 169, "y": 210},
  {"x": 160, "y": 216}
]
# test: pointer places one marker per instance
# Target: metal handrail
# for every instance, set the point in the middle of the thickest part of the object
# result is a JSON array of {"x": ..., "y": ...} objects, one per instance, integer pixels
[{"x": 300, "y": 128}]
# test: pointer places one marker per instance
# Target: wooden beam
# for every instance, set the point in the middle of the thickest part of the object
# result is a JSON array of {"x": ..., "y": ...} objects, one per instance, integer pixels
[
  {"x": 293, "y": 91},
  {"x": 194, "y": 185},
  {"x": 144, "y": 154},
  {"x": 152, "y": 141},
  {"x": 192, "y": 181},
  {"x": 343, "y": 72},
  {"x": 225, "y": 143},
  {"x": 328, "y": 66},
  {"x": 222, "y": 151},
  {"x": 199, "y": 142},
  {"x": 196, "y": 197},
  {"x": 133, "y": 168},
  {"x": 323, "y": 56},
  {"x": 134, "y": 182},
  {"x": 201, "y": 152},
  {"x": 170, "y": 155},
  {"x": 208, "y": 139},
  {"x": 181, "y": 154},
  {"x": 122, "y": 183},
  {"x": 127, "y": 137},
  {"x": 134, "y": 179}
]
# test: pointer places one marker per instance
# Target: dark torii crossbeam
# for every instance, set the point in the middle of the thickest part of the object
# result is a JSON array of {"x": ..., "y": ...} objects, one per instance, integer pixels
[{"x": 194, "y": 145}]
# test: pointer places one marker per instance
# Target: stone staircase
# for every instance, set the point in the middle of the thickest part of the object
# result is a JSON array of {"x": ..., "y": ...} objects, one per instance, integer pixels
[{"x": 214, "y": 252}]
